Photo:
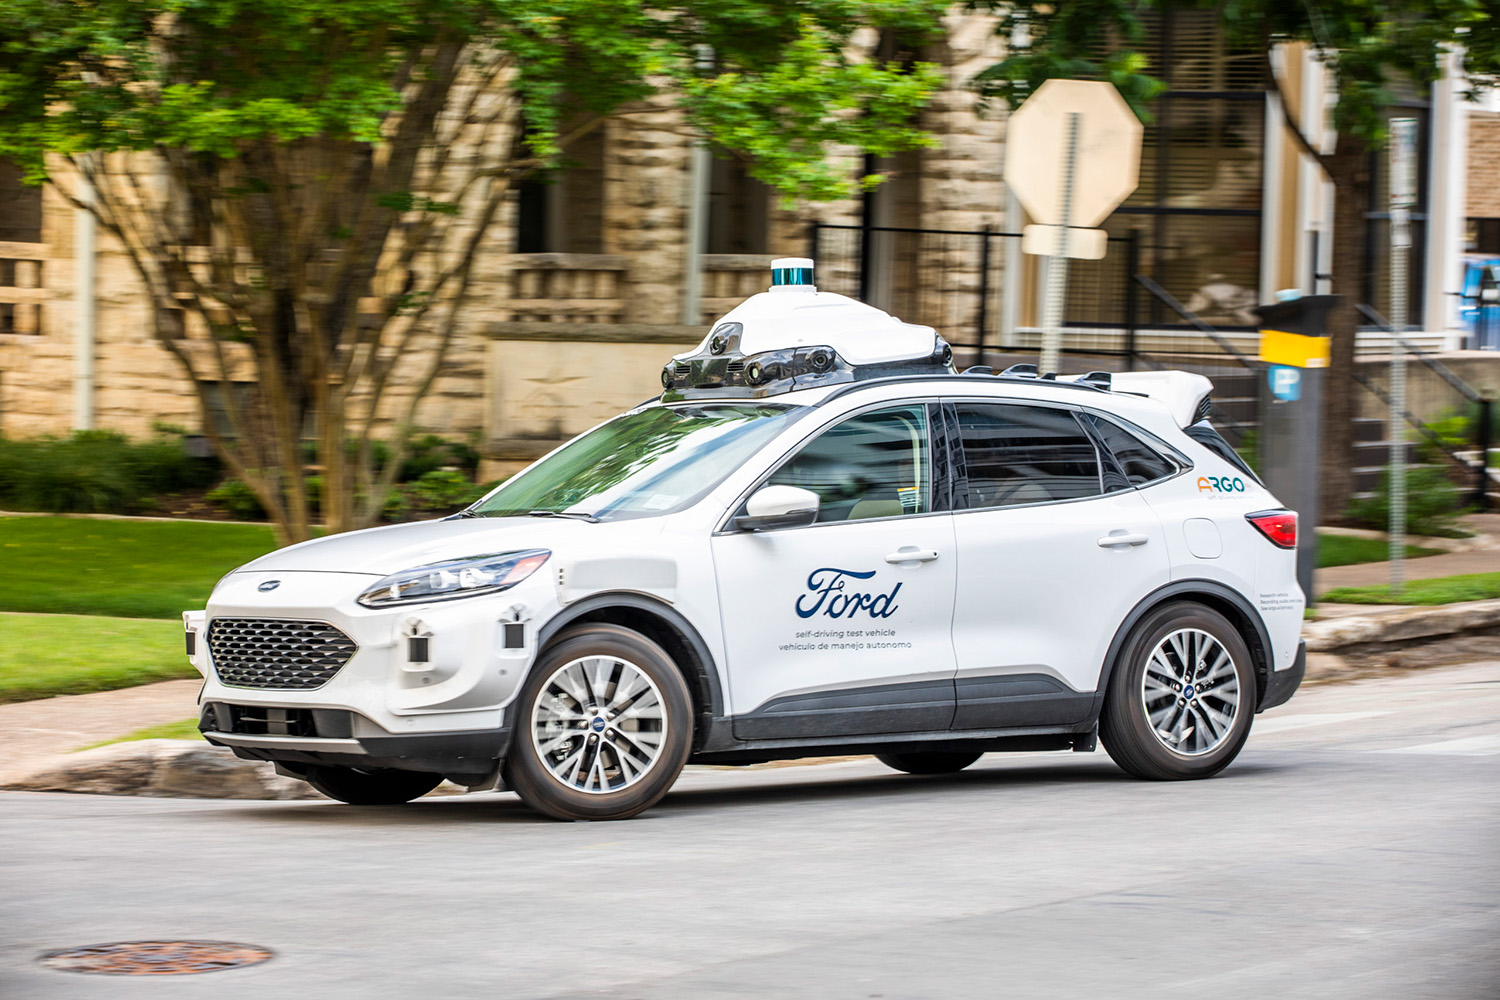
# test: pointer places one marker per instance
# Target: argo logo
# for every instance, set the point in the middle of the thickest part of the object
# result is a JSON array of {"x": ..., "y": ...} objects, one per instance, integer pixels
[{"x": 1220, "y": 484}]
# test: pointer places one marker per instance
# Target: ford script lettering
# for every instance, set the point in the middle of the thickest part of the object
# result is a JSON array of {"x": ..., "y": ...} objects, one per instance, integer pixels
[{"x": 827, "y": 588}]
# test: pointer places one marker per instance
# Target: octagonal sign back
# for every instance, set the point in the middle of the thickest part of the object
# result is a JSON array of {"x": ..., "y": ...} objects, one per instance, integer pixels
[{"x": 1109, "y": 151}]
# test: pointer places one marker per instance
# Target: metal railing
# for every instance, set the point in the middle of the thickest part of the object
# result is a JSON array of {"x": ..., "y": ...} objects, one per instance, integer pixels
[{"x": 1482, "y": 420}]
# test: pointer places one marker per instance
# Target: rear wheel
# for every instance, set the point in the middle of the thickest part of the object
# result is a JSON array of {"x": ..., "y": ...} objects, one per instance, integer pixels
[
  {"x": 1182, "y": 695},
  {"x": 928, "y": 761},
  {"x": 371, "y": 787},
  {"x": 604, "y": 725}
]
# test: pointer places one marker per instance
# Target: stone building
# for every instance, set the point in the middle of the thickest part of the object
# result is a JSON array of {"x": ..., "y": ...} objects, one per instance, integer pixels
[{"x": 591, "y": 279}]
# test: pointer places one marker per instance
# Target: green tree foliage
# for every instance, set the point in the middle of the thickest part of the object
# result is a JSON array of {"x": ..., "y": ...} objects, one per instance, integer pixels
[
  {"x": 274, "y": 166},
  {"x": 1373, "y": 50}
]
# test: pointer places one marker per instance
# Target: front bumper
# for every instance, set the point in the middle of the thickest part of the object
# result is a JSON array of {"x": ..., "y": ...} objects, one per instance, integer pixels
[
  {"x": 437, "y": 669},
  {"x": 1282, "y": 684},
  {"x": 336, "y": 737}
]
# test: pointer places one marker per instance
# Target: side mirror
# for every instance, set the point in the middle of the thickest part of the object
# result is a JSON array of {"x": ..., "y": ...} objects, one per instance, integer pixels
[{"x": 778, "y": 507}]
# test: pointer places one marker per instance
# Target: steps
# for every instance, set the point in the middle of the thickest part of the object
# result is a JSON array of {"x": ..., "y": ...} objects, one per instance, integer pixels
[{"x": 1372, "y": 453}]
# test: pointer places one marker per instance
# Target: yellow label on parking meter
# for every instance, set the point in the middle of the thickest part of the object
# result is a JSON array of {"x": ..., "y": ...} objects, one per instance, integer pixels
[{"x": 1278, "y": 347}]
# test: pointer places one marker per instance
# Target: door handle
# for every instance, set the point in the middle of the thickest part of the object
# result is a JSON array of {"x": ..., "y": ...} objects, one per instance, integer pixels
[
  {"x": 910, "y": 553},
  {"x": 1122, "y": 537}
]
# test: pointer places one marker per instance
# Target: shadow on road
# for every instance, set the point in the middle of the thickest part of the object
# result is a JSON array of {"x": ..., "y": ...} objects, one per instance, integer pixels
[{"x": 811, "y": 787}]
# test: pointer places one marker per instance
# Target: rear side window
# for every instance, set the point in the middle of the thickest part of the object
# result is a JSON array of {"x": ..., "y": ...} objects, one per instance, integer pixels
[
  {"x": 1139, "y": 461},
  {"x": 1025, "y": 454}
]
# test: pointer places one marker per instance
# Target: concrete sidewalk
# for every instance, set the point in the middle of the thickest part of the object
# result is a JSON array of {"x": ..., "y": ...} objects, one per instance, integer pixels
[
  {"x": 1425, "y": 568},
  {"x": 31, "y": 731}
]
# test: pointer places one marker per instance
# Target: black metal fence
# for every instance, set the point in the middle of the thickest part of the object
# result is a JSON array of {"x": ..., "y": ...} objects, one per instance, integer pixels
[{"x": 953, "y": 280}]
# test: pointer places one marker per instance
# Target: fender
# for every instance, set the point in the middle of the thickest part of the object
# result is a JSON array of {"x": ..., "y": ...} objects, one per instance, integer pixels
[
  {"x": 1259, "y": 642},
  {"x": 704, "y": 669}
]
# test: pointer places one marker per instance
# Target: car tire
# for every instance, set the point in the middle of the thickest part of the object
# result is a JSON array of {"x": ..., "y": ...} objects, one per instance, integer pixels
[
  {"x": 1181, "y": 697},
  {"x": 928, "y": 761},
  {"x": 372, "y": 787},
  {"x": 604, "y": 725}
]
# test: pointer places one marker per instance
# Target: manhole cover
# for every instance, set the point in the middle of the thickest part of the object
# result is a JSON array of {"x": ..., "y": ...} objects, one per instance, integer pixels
[{"x": 156, "y": 958}]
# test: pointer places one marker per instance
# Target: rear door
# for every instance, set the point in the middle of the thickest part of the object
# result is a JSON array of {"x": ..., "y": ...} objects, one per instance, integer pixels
[
  {"x": 843, "y": 627},
  {"x": 1052, "y": 556}
]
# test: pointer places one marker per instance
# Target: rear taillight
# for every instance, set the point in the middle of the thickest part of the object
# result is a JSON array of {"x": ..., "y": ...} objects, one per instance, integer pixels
[{"x": 1280, "y": 526}]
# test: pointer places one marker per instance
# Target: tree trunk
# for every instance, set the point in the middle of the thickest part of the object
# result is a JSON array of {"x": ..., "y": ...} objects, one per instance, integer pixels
[{"x": 1348, "y": 168}]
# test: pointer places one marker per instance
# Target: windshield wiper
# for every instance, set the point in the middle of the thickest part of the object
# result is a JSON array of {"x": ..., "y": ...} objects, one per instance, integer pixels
[
  {"x": 578, "y": 514},
  {"x": 464, "y": 513}
]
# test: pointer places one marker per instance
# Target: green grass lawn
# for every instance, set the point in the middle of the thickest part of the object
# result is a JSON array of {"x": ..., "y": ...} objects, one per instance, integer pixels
[
  {"x": 186, "y": 729},
  {"x": 1443, "y": 590},
  {"x": 46, "y": 655},
  {"x": 1344, "y": 550},
  {"x": 128, "y": 569}
]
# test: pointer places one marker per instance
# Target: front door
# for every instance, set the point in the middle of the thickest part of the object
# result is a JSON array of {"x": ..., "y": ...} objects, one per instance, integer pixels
[{"x": 844, "y": 627}]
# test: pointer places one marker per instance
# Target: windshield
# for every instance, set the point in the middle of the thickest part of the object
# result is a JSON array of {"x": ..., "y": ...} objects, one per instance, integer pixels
[{"x": 646, "y": 462}]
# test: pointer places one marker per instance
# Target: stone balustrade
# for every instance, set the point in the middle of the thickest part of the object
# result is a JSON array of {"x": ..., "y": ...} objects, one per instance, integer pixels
[
  {"x": 731, "y": 278},
  {"x": 565, "y": 287}
]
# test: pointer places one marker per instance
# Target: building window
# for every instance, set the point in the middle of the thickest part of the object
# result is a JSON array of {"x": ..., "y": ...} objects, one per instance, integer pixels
[
  {"x": 738, "y": 207},
  {"x": 20, "y": 207},
  {"x": 562, "y": 211},
  {"x": 1197, "y": 209},
  {"x": 1483, "y": 236}
]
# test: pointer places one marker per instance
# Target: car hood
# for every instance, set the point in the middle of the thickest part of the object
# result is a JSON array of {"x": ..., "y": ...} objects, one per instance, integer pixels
[{"x": 390, "y": 549}]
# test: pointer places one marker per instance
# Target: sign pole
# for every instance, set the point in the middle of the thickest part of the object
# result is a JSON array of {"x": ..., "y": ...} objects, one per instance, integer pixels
[
  {"x": 1403, "y": 197},
  {"x": 1057, "y": 262}
]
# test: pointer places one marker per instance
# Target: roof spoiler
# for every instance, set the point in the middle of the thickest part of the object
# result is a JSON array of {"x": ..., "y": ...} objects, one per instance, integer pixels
[{"x": 1184, "y": 394}]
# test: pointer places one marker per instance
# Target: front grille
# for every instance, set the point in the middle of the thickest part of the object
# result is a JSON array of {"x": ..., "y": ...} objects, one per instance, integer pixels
[{"x": 277, "y": 652}]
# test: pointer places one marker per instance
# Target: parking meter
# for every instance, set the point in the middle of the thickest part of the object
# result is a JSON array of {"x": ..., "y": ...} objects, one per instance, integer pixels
[{"x": 1295, "y": 349}]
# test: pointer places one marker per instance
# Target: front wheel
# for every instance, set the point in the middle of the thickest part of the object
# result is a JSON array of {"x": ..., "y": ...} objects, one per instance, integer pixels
[
  {"x": 604, "y": 725},
  {"x": 373, "y": 786},
  {"x": 1182, "y": 695}
]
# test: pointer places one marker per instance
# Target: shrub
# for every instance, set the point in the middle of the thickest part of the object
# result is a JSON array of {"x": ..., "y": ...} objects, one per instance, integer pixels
[
  {"x": 238, "y": 500},
  {"x": 1432, "y": 503},
  {"x": 96, "y": 472},
  {"x": 442, "y": 490},
  {"x": 432, "y": 453}
]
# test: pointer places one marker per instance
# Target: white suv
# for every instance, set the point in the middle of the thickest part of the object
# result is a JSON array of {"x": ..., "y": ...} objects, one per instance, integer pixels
[{"x": 819, "y": 540}]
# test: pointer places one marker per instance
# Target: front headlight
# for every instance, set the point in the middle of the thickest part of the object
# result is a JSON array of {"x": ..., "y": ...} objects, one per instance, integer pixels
[{"x": 455, "y": 578}]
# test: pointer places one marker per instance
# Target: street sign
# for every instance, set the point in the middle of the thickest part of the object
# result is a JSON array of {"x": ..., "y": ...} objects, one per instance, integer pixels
[
  {"x": 1109, "y": 151},
  {"x": 1072, "y": 153}
]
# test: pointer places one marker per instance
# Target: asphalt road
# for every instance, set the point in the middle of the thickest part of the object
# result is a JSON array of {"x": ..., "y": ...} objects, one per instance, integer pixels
[{"x": 1352, "y": 851}]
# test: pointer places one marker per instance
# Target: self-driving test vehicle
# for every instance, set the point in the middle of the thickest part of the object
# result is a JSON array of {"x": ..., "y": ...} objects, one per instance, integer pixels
[{"x": 820, "y": 539}]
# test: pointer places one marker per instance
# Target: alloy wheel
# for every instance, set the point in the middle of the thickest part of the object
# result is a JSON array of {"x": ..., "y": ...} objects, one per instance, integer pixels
[
  {"x": 1191, "y": 692},
  {"x": 598, "y": 724}
]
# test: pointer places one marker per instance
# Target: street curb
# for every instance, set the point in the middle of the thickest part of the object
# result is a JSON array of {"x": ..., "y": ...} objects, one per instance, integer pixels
[
  {"x": 1401, "y": 624},
  {"x": 1401, "y": 639},
  {"x": 159, "y": 769}
]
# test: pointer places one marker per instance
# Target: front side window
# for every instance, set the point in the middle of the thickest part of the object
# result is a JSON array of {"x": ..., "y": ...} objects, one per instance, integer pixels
[
  {"x": 875, "y": 464},
  {"x": 647, "y": 462},
  {"x": 1025, "y": 454}
]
